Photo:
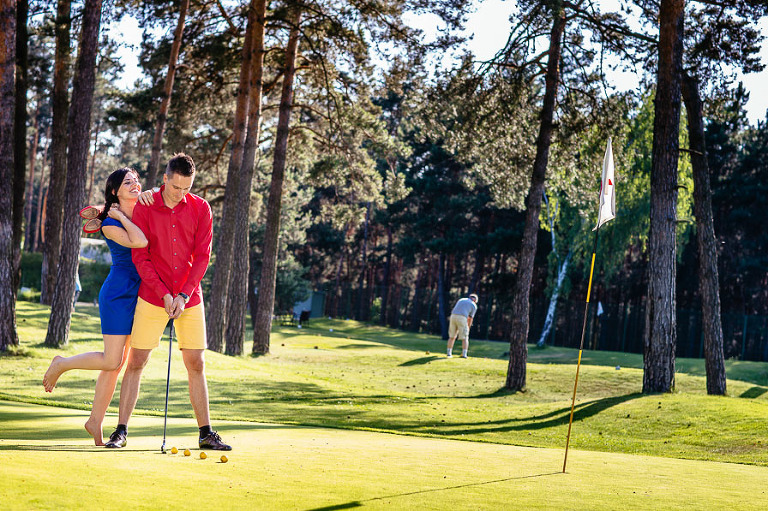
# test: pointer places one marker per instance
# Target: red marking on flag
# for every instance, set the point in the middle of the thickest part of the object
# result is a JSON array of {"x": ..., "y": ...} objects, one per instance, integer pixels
[{"x": 609, "y": 182}]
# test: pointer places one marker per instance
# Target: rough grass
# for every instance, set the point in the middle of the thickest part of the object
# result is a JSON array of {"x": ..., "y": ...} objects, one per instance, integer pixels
[{"x": 343, "y": 374}]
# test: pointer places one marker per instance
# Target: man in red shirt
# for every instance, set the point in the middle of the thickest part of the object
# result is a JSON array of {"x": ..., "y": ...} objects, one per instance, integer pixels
[{"x": 179, "y": 228}]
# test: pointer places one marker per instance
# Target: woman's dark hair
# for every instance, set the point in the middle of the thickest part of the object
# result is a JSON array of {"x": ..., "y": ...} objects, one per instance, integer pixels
[{"x": 114, "y": 182}]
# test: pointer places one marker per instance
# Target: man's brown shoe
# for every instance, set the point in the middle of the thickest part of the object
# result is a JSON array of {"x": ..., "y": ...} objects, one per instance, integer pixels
[{"x": 213, "y": 441}]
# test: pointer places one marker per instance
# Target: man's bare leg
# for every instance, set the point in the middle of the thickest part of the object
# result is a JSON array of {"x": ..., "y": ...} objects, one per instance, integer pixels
[
  {"x": 129, "y": 390},
  {"x": 194, "y": 361}
]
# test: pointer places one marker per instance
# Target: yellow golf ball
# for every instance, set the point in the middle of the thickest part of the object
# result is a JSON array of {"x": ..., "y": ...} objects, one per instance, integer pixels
[
  {"x": 203, "y": 455},
  {"x": 186, "y": 452},
  {"x": 224, "y": 459},
  {"x": 174, "y": 450}
]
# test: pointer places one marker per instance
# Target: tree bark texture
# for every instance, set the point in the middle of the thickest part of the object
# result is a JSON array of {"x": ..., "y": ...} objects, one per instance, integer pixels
[
  {"x": 31, "y": 185},
  {"x": 215, "y": 320},
  {"x": 518, "y": 352},
  {"x": 162, "y": 116},
  {"x": 77, "y": 172},
  {"x": 20, "y": 135},
  {"x": 549, "y": 321},
  {"x": 661, "y": 322},
  {"x": 8, "y": 336},
  {"x": 58, "y": 173},
  {"x": 238, "y": 292},
  {"x": 361, "y": 311},
  {"x": 266, "y": 299},
  {"x": 442, "y": 305},
  {"x": 709, "y": 281},
  {"x": 92, "y": 170},
  {"x": 40, "y": 196},
  {"x": 386, "y": 279}
]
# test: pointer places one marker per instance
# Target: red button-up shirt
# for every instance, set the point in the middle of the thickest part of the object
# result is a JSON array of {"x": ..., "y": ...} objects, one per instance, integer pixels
[{"x": 179, "y": 248}]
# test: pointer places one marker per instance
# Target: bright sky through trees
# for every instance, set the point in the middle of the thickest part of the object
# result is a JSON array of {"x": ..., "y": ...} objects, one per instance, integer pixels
[{"x": 489, "y": 28}]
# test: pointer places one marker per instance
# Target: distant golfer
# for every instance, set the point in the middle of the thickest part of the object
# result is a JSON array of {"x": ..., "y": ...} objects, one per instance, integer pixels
[
  {"x": 178, "y": 226},
  {"x": 461, "y": 319}
]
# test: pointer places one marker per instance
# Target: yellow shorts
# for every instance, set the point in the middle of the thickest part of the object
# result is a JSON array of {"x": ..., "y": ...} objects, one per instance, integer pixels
[
  {"x": 150, "y": 320},
  {"x": 457, "y": 326}
]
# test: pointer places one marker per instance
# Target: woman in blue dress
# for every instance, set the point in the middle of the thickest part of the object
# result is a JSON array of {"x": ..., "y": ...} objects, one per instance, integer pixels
[{"x": 117, "y": 298}]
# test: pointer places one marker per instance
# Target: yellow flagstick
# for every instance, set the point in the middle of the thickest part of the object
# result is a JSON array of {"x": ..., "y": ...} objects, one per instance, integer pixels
[{"x": 581, "y": 348}]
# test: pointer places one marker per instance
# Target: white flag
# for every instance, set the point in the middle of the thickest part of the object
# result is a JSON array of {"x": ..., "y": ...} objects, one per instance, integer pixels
[{"x": 607, "y": 189}]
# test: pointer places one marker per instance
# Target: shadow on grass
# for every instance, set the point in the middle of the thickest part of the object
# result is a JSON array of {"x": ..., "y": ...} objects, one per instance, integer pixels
[
  {"x": 360, "y": 503},
  {"x": 754, "y": 392},
  {"x": 71, "y": 448},
  {"x": 421, "y": 361},
  {"x": 551, "y": 419},
  {"x": 32, "y": 424}
]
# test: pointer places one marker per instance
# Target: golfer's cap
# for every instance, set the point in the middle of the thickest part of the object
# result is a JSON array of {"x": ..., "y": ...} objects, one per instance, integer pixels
[{"x": 473, "y": 296}]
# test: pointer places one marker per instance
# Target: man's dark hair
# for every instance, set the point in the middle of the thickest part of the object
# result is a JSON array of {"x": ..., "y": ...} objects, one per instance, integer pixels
[{"x": 182, "y": 164}]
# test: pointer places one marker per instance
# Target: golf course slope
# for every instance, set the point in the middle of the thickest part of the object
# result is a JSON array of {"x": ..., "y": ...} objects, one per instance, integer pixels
[{"x": 47, "y": 461}]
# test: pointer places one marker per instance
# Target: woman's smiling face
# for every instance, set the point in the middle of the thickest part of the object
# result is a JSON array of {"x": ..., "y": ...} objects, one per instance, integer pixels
[{"x": 130, "y": 187}]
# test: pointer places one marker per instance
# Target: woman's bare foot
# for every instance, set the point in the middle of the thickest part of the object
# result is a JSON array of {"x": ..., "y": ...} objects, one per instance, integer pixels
[
  {"x": 95, "y": 431},
  {"x": 53, "y": 373}
]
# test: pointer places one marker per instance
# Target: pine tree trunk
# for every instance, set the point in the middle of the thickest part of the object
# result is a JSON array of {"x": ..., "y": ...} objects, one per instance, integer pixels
[
  {"x": 40, "y": 196},
  {"x": 20, "y": 136},
  {"x": 386, "y": 279},
  {"x": 58, "y": 174},
  {"x": 92, "y": 170},
  {"x": 216, "y": 316},
  {"x": 77, "y": 171},
  {"x": 661, "y": 334},
  {"x": 235, "y": 334},
  {"x": 549, "y": 321},
  {"x": 361, "y": 316},
  {"x": 518, "y": 352},
  {"x": 442, "y": 306},
  {"x": 8, "y": 336},
  {"x": 709, "y": 284},
  {"x": 266, "y": 299},
  {"x": 336, "y": 290},
  {"x": 28, "y": 201},
  {"x": 157, "y": 140}
]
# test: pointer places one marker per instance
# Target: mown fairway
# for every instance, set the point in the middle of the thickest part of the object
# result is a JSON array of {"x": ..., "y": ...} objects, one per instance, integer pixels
[
  {"x": 367, "y": 378},
  {"x": 48, "y": 465}
]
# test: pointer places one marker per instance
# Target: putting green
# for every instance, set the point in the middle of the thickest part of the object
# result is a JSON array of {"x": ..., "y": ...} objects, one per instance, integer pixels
[{"x": 48, "y": 462}]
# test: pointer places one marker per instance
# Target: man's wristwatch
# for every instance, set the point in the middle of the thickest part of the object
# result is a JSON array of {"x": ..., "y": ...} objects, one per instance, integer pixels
[{"x": 185, "y": 296}]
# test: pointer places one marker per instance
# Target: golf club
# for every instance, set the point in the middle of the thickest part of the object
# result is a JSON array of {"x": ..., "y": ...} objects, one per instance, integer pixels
[{"x": 167, "y": 383}]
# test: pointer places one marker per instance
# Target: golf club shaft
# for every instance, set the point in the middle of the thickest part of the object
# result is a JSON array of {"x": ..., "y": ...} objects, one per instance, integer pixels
[{"x": 167, "y": 383}]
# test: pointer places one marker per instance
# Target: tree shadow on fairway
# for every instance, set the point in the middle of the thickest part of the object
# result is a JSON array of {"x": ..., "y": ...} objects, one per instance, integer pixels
[
  {"x": 753, "y": 392},
  {"x": 421, "y": 361},
  {"x": 72, "y": 448},
  {"x": 360, "y": 503},
  {"x": 554, "y": 418},
  {"x": 561, "y": 417}
]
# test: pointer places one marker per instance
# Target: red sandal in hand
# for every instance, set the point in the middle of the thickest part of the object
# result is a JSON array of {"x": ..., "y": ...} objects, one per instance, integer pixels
[{"x": 90, "y": 212}]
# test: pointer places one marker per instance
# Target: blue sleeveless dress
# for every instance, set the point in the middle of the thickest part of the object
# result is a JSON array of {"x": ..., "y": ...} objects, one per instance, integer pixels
[{"x": 117, "y": 298}]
